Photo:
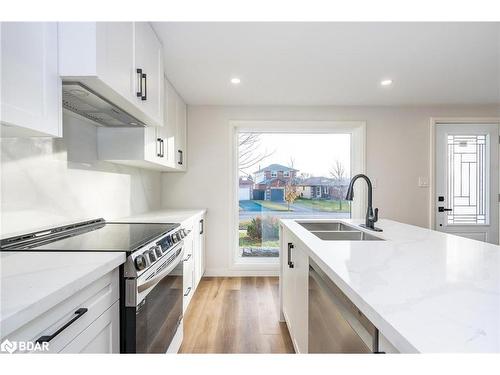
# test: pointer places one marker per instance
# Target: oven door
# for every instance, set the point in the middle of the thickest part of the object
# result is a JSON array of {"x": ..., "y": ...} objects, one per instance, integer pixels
[{"x": 159, "y": 307}]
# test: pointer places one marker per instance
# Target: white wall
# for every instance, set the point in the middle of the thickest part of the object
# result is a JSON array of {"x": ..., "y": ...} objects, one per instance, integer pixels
[
  {"x": 46, "y": 182},
  {"x": 397, "y": 154}
]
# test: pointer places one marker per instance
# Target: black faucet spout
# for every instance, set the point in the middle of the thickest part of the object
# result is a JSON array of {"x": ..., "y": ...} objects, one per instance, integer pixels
[{"x": 371, "y": 215}]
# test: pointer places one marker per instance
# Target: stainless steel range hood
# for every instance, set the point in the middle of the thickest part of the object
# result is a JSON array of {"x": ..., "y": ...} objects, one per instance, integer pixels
[{"x": 80, "y": 99}]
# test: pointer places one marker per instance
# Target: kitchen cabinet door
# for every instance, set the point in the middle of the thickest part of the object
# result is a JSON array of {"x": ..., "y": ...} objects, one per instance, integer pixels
[
  {"x": 181, "y": 133},
  {"x": 31, "y": 87},
  {"x": 286, "y": 279},
  {"x": 116, "y": 56},
  {"x": 102, "y": 336},
  {"x": 188, "y": 271},
  {"x": 199, "y": 250},
  {"x": 149, "y": 60},
  {"x": 294, "y": 281},
  {"x": 300, "y": 298}
]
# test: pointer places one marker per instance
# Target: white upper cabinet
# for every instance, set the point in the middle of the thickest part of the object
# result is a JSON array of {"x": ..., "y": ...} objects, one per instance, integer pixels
[
  {"x": 180, "y": 144},
  {"x": 149, "y": 64},
  {"x": 30, "y": 84},
  {"x": 121, "y": 61},
  {"x": 173, "y": 133}
]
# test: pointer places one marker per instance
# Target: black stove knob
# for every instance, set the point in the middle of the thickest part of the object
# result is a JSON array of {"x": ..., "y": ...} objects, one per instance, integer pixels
[
  {"x": 175, "y": 238},
  {"x": 158, "y": 251},
  {"x": 151, "y": 255},
  {"x": 140, "y": 262}
]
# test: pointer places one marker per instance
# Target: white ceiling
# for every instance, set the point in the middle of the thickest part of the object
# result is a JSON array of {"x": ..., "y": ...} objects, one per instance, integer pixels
[{"x": 333, "y": 63}]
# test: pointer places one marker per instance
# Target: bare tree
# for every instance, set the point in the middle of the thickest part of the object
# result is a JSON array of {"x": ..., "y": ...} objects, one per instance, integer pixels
[
  {"x": 338, "y": 174},
  {"x": 291, "y": 162},
  {"x": 249, "y": 151}
]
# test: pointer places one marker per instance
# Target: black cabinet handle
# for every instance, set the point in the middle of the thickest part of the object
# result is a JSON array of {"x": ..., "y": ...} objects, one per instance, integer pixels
[
  {"x": 139, "y": 74},
  {"x": 202, "y": 226},
  {"x": 187, "y": 258},
  {"x": 187, "y": 292},
  {"x": 145, "y": 96},
  {"x": 158, "y": 147},
  {"x": 79, "y": 313},
  {"x": 290, "y": 263},
  {"x": 162, "y": 148},
  {"x": 180, "y": 157},
  {"x": 442, "y": 209}
]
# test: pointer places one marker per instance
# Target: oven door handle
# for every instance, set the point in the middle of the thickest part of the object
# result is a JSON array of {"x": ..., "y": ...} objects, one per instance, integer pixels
[{"x": 155, "y": 280}]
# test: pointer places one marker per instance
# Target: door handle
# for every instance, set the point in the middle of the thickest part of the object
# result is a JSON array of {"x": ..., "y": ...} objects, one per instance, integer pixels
[
  {"x": 290, "y": 263},
  {"x": 187, "y": 292},
  {"x": 139, "y": 75},
  {"x": 442, "y": 209},
  {"x": 79, "y": 313}
]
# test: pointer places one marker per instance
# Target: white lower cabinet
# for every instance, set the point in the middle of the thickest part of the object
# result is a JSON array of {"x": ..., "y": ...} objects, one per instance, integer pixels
[
  {"x": 101, "y": 336},
  {"x": 188, "y": 271},
  {"x": 294, "y": 281},
  {"x": 87, "y": 322},
  {"x": 199, "y": 248},
  {"x": 194, "y": 255}
]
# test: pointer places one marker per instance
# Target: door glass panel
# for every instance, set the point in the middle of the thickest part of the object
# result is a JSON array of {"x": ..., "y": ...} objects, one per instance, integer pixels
[{"x": 466, "y": 179}]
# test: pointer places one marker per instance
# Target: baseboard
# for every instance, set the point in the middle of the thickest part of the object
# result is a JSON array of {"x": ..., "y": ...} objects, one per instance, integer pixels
[{"x": 220, "y": 272}]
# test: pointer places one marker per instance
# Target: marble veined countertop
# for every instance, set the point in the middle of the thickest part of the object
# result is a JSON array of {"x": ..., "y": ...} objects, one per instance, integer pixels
[
  {"x": 426, "y": 291},
  {"x": 33, "y": 282}
]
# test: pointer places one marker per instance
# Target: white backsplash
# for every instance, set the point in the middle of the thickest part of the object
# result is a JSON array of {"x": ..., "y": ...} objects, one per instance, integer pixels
[{"x": 47, "y": 182}]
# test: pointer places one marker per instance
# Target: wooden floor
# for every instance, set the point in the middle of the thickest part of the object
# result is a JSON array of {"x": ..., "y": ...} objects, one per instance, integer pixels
[{"x": 235, "y": 315}]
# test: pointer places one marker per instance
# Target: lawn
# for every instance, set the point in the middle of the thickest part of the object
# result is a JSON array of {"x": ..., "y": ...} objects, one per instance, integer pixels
[
  {"x": 323, "y": 205},
  {"x": 246, "y": 241}
]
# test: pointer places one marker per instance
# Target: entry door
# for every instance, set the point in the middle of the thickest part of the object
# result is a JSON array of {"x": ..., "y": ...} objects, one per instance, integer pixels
[{"x": 466, "y": 199}]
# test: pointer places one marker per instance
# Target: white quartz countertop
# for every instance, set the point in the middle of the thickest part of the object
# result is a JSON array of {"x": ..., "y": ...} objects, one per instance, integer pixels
[
  {"x": 426, "y": 291},
  {"x": 163, "y": 216},
  {"x": 33, "y": 282}
]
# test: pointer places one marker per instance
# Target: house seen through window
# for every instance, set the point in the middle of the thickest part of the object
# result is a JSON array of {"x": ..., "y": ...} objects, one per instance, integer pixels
[{"x": 286, "y": 175}]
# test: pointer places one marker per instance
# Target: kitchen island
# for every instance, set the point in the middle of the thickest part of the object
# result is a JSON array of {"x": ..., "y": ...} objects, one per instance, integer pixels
[{"x": 425, "y": 291}]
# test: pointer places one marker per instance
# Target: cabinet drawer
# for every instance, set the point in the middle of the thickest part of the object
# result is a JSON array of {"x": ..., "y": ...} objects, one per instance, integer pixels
[
  {"x": 96, "y": 298},
  {"x": 101, "y": 336}
]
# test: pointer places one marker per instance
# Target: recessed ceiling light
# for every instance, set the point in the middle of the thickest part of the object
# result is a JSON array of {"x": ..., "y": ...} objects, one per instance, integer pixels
[
  {"x": 235, "y": 80},
  {"x": 386, "y": 82}
]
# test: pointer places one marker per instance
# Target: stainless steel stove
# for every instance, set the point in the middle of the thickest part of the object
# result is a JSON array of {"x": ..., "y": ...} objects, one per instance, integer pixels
[{"x": 150, "y": 280}]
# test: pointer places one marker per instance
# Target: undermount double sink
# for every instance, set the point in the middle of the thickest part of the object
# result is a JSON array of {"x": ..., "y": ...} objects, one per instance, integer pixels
[{"x": 337, "y": 231}]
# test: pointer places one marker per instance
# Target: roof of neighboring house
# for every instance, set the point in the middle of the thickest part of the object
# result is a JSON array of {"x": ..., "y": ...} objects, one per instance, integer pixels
[
  {"x": 277, "y": 168},
  {"x": 246, "y": 181},
  {"x": 268, "y": 181},
  {"x": 317, "y": 181}
]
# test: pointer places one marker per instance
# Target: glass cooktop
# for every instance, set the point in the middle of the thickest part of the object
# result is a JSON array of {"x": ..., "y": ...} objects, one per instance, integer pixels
[{"x": 100, "y": 237}]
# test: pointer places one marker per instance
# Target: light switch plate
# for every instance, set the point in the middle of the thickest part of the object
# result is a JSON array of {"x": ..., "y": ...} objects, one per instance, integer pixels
[{"x": 423, "y": 182}]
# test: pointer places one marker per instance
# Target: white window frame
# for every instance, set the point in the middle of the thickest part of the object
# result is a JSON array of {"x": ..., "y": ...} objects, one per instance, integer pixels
[{"x": 357, "y": 130}]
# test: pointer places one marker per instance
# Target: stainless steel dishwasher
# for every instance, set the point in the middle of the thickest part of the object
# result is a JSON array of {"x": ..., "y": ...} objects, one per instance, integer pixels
[{"x": 335, "y": 324}]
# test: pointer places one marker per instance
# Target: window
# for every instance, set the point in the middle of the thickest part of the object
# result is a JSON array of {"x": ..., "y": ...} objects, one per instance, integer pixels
[{"x": 317, "y": 188}]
